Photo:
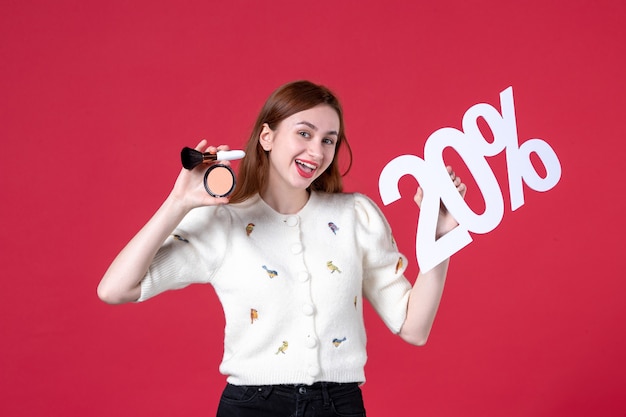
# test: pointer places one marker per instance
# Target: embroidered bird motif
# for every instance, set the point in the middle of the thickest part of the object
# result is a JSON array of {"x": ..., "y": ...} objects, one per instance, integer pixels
[
  {"x": 249, "y": 228},
  {"x": 399, "y": 264},
  {"x": 332, "y": 267},
  {"x": 333, "y": 227},
  {"x": 270, "y": 273},
  {"x": 355, "y": 301},
  {"x": 254, "y": 315},
  {"x": 338, "y": 342},
  {"x": 179, "y": 237},
  {"x": 282, "y": 348}
]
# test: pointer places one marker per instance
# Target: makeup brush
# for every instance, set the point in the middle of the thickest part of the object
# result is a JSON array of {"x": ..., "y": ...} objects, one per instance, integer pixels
[{"x": 192, "y": 158}]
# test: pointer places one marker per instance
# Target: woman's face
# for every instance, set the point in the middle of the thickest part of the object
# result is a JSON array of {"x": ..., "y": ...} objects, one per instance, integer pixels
[{"x": 301, "y": 147}]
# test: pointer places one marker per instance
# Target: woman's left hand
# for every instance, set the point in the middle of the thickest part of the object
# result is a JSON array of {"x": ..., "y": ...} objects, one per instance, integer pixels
[{"x": 445, "y": 221}]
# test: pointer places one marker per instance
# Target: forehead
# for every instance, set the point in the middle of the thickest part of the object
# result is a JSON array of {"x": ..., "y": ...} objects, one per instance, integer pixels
[{"x": 323, "y": 117}]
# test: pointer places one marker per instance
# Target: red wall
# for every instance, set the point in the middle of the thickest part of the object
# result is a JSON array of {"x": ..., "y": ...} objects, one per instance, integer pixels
[{"x": 98, "y": 98}]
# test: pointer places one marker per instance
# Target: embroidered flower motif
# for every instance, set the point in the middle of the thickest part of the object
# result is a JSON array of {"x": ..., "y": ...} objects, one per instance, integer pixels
[
  {"x": 254, "y": 315},
  {"x": 270, "y": 273},
  {"x": 333, "y": 227},
  {"x": 332, "y": 267},
  {"x": 282, "y": 348},
  {"x": 179, "y": 237},
  {"x": 249, "y": 228}
]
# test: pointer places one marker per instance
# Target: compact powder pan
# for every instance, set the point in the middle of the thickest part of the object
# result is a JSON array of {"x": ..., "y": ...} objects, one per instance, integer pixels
[{"x": 219, "y": 180}]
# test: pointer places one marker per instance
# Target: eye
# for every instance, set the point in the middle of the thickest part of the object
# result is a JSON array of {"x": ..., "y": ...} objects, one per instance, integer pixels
[
  {"x": 329, "y": 141},
  {"x": 304, "y": 134}
]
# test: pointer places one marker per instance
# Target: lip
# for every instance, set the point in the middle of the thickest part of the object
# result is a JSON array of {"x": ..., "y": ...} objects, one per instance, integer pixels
[{"x": 307, "y": 171}]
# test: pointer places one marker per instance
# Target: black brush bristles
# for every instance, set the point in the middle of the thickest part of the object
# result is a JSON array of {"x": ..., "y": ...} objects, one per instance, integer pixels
[{"x": 191, "y": 158}]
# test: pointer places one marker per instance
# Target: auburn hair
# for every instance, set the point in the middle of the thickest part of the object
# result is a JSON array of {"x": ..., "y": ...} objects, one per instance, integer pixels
[{"x": 287, "y": 100}]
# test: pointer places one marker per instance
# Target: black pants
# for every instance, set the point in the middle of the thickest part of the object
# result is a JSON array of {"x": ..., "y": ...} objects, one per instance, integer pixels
[{"x": 323, "y": 399}]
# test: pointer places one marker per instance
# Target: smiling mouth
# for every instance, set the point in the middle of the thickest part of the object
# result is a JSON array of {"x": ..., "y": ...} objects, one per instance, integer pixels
[{"x": 306, "y": 169}]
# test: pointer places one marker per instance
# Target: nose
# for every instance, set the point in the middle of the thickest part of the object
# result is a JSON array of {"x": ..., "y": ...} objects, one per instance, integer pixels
[{"x": 315, "y": 149}]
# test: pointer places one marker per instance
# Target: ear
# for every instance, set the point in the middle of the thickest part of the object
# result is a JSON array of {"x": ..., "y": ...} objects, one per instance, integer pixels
[{"x": 266, "y": 137}]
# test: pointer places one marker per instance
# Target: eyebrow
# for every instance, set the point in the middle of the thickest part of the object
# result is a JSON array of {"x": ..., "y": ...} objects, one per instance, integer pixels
[{"x": 312, "y": 126}]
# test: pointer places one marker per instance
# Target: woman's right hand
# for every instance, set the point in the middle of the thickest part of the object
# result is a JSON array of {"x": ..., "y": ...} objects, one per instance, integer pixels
[
  {"x": 122, "y": 281},
  {"x": 189, "y": 189}
]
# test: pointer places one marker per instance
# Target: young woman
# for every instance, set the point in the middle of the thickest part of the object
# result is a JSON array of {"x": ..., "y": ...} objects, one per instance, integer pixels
[{"x": 291, "y": 258}]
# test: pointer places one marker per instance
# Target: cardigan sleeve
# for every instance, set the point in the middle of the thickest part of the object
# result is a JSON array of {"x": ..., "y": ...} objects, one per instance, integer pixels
[
  {"x": 384, "y": 284},
  {"x": 191, "y": 254}
]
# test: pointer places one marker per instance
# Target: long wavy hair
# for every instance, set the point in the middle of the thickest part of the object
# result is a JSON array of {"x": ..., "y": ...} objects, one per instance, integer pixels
[{"x": 287, "y": 100}]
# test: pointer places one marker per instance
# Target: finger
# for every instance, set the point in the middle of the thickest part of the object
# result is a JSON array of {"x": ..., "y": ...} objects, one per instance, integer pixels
[
  {"x": 223, "y": 148},
  {"x": 201, "y": 145},
  {"x": 224, "y": 162},
  {"x": 215, "y": 201},
  {"x": 462, "y": 188},
  {"x": 451, "y": 172},
  {"x": 419, "y": 197}
]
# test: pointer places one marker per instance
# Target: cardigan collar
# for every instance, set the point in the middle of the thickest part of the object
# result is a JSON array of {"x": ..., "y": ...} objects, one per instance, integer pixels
[{"x": 311, "y": 205}]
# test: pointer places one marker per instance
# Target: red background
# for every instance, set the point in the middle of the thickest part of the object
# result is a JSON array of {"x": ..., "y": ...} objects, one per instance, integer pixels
[{"x": 98, "y": 98}]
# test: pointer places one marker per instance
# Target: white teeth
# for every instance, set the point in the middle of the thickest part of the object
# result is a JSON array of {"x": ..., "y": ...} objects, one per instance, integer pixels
[{"x": 310, "y": 166}]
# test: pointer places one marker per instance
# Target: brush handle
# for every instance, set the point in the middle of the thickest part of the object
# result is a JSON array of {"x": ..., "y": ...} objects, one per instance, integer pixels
[{"x": 228, "y": 155}]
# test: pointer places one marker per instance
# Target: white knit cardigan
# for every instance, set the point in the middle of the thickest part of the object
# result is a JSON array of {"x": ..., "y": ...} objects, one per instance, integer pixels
[{"x": 291, "y": 286}]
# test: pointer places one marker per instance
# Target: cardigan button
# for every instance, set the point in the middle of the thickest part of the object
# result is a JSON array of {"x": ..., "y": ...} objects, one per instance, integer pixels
[
  {"x": 311, "y": 342},
  {"x": 308, "y": 309},
  {"x": 296, "y": 248},
  {"x": 292, "y": 221},
  {"x": 303, "y": 276}
]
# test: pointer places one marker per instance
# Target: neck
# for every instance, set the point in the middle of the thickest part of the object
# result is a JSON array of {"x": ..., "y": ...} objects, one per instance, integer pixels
[{"x": 285, "y": 203}]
